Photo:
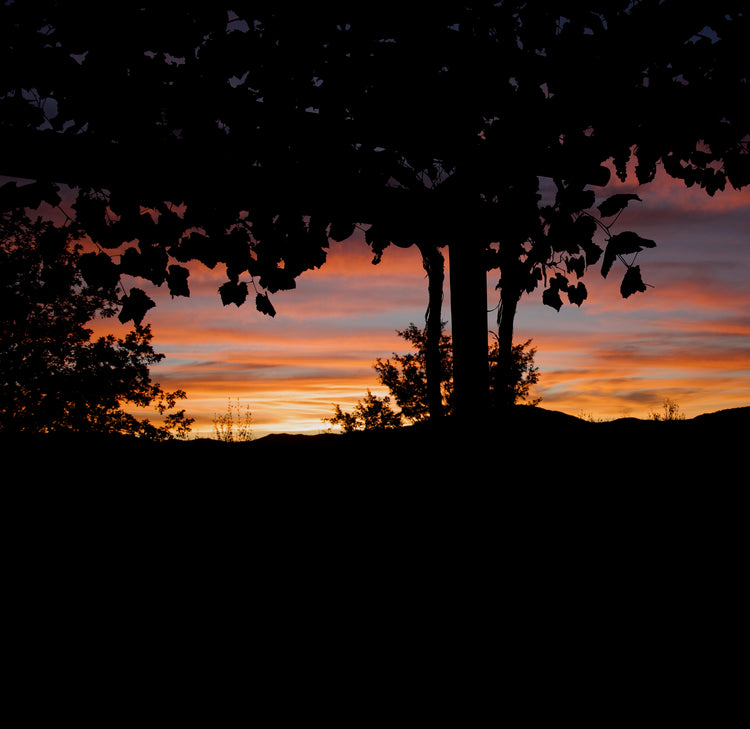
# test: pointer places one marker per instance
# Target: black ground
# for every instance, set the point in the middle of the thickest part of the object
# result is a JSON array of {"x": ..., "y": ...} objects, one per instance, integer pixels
[
  {"x": 612, "y": 544},
  {"x": 527, "y": 447}
]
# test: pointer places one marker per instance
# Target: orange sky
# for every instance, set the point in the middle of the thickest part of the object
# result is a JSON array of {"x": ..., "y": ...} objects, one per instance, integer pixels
[{"x": 687, "y": 338}]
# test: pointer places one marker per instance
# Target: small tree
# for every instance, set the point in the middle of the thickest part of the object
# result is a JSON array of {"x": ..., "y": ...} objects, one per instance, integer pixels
[
  {"x": 523, "y": 376},
  {"x": 372, "y": 413},
  {"x": 53, "y": 376},
  {"x": 406, "y": 378},
  {"x": 234, "y": 425}
]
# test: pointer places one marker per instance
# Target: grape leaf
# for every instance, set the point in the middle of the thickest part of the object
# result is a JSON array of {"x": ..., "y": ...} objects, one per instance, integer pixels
[
  {"x": 233, "y": 293},
  {"x": 264, "y": 305},
  {"x": 623, "y": 244},
  {"x": 593, "y": 252},
  {"x": 616, "y": 203},
  {"x": 135, "y": 306},
  {"x": 577, "y": 294},
  {"x": 177, "y": 280},
  {"x": 577, "y": 265},
  {"x": 99, "y": 270},
  {"x": 551, "y": 297},
  {"x": 632, "y": 282}
]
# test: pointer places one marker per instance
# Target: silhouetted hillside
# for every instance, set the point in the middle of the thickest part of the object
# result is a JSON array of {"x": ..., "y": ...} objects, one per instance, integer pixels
[
  {"x": 539, "y": 493},
  {"x": 529, "y": 446}
]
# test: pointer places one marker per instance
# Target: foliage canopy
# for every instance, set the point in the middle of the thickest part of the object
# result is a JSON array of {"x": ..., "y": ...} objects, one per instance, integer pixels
[{"x": 259, "y": 131}]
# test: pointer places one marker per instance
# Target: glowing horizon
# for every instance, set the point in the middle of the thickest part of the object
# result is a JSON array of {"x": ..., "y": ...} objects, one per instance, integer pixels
[{"x": 687, "y": 338}]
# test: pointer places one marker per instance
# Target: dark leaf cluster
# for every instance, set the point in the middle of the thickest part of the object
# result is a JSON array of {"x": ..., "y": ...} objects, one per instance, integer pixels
[{"x": 251, "y": 134}]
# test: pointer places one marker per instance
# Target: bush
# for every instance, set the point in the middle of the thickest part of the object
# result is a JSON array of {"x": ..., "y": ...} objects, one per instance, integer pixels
[
  {"x": 670, "y": 410},
  {"x": 234, "y": 425},
  {"x": 372, "y": 413}
]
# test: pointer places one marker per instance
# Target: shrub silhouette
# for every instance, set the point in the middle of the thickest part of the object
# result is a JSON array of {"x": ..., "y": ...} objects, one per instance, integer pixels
[
  {"x": 234, "y": 425},
  {"x": 406, "y": 379},
  {"x": 670, "y": 410}
]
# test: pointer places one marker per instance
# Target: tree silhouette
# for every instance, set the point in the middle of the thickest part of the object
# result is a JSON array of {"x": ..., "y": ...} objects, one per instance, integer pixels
[
  {"x": 54, "y": 376},
  {"x": 511, "y": 385},
  {"x": 372, "y": 413},
  {"x": 406, "y": 377},
  {"x": 251, "y": 137}
]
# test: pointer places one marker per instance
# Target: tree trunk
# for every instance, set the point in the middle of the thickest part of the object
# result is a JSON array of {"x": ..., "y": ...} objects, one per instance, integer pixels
[
  {"x": 504, "y": 372},
  {"x": 433, "y": 262},
  {"x": 468, "y": 283}
]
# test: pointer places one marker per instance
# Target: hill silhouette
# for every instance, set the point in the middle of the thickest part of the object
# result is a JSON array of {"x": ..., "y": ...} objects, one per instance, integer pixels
[
  {"x": 625, "y": 513},
  {"x": 529, "y": 446}
]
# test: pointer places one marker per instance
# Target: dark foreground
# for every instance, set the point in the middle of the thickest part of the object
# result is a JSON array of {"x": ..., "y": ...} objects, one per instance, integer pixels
[
  {"x": 534, "y": 471},
  {"x": 601, "y": 561},
  {"x": 529, "y": 447},
  {"x": 530, "y": 484}
]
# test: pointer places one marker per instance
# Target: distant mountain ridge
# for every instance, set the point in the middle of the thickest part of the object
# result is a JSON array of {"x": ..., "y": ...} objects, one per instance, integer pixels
[{"x": 527, "y": 443}]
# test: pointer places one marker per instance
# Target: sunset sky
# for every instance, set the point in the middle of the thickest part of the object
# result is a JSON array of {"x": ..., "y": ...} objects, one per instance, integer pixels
[{"x": 687, "y": 338}]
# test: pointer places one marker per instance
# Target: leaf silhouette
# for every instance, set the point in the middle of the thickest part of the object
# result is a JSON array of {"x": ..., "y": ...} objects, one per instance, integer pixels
[
  {"x": 99, "y": 270},
  {"x": 577, "y": 294},
  {"x": 233, "y": 293},
  {"x": 551, "y": 297},
  {"x": 623, "y": 244},
  {"x": 632, "y": 282},
  {"x": 577, "y": 265},
  {"x": 264, "y": 306},
  {"x": 150, "y": 262},
  {"x": 135, "y": 306},
  {"x": 616, "y": 203},
  {"x": 177, "y": 280}
]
